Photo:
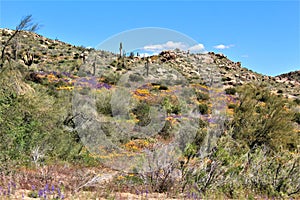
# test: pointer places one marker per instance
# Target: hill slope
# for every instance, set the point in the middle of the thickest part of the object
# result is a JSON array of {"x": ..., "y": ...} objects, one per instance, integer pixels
[{"x": 53, "y": 55}]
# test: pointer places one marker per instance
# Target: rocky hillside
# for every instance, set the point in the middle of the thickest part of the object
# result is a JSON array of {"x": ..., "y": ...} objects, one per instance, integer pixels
[
  {"x": 291, "y": 76},
  {"x": 79, "y": 123},
  {"x": 53, "y": 55}
]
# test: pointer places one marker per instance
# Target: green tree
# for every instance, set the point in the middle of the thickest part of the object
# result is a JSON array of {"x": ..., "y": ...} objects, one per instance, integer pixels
[{"x": 263, "y": 119}]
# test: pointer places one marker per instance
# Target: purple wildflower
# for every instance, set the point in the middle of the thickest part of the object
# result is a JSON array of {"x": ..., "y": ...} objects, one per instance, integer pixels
[
  {"x": 188, "y": 195},
  {"x": 46, "y": 187},
  {"x": 41, "y": 192},
  {"x": 13, "y": 184},
  {"x": 58, "y": 192}
]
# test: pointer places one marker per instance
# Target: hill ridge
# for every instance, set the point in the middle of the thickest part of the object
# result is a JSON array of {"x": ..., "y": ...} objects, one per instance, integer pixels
[{"x": 55, "y": 55}]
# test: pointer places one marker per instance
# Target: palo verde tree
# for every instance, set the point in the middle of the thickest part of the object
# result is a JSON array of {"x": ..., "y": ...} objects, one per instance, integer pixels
[
  {"x": 26, "y": 24},
  {"x": 263, "y": 119}
]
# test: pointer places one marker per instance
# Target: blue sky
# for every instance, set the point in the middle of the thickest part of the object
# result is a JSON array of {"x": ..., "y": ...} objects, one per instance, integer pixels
[{"x": 263, "y": 35}]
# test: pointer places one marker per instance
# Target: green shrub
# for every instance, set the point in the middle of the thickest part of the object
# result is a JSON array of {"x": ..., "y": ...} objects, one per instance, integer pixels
[
  {"x": 279, "y": 91},
  {"x": 230, "y": 91},
  {"x": 202, "y": 96},
  {"x": 297, "y": 101},
  {"x": 163, "y": 87},
  {"x": 171, "y": 106},
  {"x": 142, "y": 113},
  {"x": 167, "y": 131},
  {"x": 135, "y": 78},
  {"x": 297, "y": 118},
  {"x": 103, "y": 104},
  {"x": 260, "y": 124},
  {"x": 232, "y": 106},
  {"x": 203, "y": 109},
  {"x": 226, "y": 79},
  {"x": 111, "y": 78}
]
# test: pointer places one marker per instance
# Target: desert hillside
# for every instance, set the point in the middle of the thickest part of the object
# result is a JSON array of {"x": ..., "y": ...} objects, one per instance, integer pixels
[{"x": 84, "y": 123}]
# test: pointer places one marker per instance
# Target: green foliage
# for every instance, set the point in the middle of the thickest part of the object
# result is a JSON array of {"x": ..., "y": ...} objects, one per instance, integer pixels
[
  {"x": 135, "y": 78},
  {"x": 167, "y": 131},
  {"x": 103, "y": 102},
  {"x": 232, "y": 106},
  {"x": 202, "y": 96},
  {"x": 203, "y": 109},
  {"x": 111, "y": 77},
  {"x": 297, "y": 118},
  {"x": 190, "y": 151},
  {"x": 279, "y": 91},
  {"x": 142, "y": 113},
  {"x": 262, "y": 119},
  {"x": 163, "y": 87},
  {"x": 31, "y": 128},
  {"x": 171, "y": 106},
  {"x": 230, "y": 91},
  {"x": 297, "y": 101}
]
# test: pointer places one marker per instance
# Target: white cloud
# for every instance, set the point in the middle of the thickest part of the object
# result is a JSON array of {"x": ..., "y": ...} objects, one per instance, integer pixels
[
  {"x": 171, "y": 45},
  {"x": 197, "y": 47},
  {"x": 166, "y": 46},
  {"x": 245, "y": 56},
  {"x": 148, "y": 54},
  {"x": 222, "y": 46}
]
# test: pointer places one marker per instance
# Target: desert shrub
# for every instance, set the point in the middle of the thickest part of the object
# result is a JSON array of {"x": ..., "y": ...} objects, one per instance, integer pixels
[
  {"x": 135, "y": 78},
  {"x": 297, "y": 118},
  {"x": 171, "y": 105},
  {"x": 274, "y": 175},
  {"x": 162, "y": 178},
  {"x": 202, "y": 96},
  {"x": 203, "y": 109},
  {"x": 31, "y": 128},
  {"x": 111, "y": 78},
  {"x": 167, "y": 131},
  {"x": 232, "y": 167},
  {"x": 232, "y": 106},
  {"x": 280, "y": 91},
  {"x": 103, "y": 104},
  {"x": 230, "y": 91},
  {"x": 142, "y": 113},
  {"x": 199, "y": 138},
  {"x": 262, "y": 119},
  {"x": 163, "y": 87},
  {"x": 226, "y": 79},
  {"x": 297, "y": 101}
]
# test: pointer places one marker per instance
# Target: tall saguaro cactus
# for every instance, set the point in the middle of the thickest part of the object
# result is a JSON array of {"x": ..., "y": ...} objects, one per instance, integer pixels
[
  {"x": 147, "y": 66},
  {"x": 121, "y": 48},
  {"x": 94, "y": 67}
]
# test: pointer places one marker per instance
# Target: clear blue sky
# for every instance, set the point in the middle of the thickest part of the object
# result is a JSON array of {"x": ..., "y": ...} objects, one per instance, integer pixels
[{"x": 263, "y": 35}]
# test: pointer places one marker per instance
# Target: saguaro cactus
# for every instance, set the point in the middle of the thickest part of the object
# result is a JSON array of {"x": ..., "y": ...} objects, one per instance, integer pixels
[
  {"x": 147, "y": 66},
  {"x": 28, "y": 58},
  {"x": 94, "y": 67},
  {"x": 121, "y": 48}
]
